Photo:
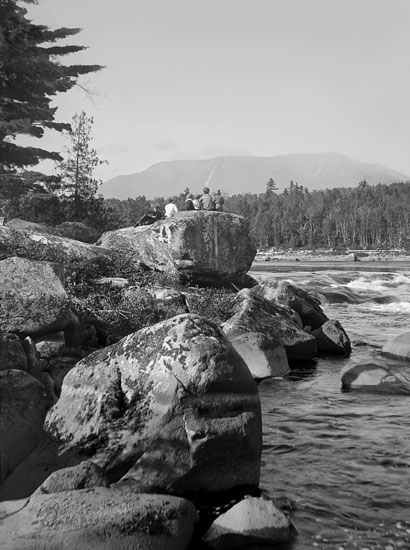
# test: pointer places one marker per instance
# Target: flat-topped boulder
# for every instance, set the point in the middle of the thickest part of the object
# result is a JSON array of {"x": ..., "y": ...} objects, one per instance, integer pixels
[{"x": 204, "y": 247}]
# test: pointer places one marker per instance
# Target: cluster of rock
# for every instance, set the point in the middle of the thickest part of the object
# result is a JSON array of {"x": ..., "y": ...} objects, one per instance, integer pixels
[{"x": 94, "y": 439}]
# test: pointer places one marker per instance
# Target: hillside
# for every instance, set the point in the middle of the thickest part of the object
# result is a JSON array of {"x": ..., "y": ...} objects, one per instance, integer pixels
[{"x": 235, "y": 175}]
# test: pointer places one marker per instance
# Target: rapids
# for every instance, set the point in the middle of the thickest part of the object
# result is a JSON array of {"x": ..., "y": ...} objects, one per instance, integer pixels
[{"x": 339, "y": 462}]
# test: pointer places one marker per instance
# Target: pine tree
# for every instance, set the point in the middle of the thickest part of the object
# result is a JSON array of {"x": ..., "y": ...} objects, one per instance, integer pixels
[
  {"x": 30, "y": 75},
  {"x": 77, "y": 169},
  {"x": 270, "y": 186}
]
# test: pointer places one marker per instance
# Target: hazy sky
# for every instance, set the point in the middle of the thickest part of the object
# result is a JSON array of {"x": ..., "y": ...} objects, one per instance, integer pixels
[{"x": 202, "y": 78}]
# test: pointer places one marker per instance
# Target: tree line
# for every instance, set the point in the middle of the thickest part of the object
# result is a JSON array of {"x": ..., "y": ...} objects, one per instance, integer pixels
[
  {"x": 358, "y": 217},
  {"x": 364, "y": 216}
]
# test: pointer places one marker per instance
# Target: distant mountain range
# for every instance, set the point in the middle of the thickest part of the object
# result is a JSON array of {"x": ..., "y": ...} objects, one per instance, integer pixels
[{"x": 246, "y": 174}]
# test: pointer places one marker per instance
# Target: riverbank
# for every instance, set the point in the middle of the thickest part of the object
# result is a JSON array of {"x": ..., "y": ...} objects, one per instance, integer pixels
[{"x": 331, "y": 255}]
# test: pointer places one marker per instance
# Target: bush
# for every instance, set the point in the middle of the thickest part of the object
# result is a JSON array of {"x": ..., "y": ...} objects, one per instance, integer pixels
[{"x": 216, "y": 304}]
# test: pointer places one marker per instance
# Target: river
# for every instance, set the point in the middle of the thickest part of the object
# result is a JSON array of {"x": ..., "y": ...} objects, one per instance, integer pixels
[{"x": 339, "y": 462}]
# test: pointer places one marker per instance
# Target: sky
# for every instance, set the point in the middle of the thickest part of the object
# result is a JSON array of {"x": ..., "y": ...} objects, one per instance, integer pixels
[{"x": 194, "y": 79}]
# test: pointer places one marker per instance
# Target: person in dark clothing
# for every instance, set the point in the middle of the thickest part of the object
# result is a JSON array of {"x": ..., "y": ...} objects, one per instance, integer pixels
[
  {"x": 206, "y": 202},
  {"x": 189, "y": 202},
  {"x": 153, "y": 215},
  {"x": 219, "y": 201}
]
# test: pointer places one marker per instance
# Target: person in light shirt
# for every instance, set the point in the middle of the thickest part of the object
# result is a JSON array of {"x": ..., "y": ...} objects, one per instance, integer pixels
[{"x": 170, "y": 209}]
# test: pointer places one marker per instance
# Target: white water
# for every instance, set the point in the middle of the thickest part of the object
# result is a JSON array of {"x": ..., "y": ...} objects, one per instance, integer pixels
[{"x": 340, "y": 461}]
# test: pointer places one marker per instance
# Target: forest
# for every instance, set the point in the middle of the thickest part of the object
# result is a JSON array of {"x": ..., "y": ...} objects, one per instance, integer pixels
[{"x": 364, "y": 216}]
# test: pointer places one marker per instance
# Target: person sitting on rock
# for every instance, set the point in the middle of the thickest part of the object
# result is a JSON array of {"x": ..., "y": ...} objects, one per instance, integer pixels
[
  {"x": 170, "y": 209},
  {"x": 153, "y": 215},
  {"x": 196, "y": 202},
  {"x": 189, "y": 202},
  {"x": 206, "y": 202},
  {"x": 219, "y": 201}
]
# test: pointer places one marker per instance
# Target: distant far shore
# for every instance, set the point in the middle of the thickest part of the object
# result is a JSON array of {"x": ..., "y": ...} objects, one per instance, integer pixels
[{"x": 328, "y": 256}]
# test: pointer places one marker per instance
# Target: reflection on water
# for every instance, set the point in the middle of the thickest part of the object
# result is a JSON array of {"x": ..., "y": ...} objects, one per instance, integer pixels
[{"x": 339, "y": 462}]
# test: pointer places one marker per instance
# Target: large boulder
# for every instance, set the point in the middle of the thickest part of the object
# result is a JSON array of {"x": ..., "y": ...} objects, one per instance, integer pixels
[
  {"x": 12, "y": 354},
  {"x": 32, "y": 297},
  {"x": 97, "y": 519},
  {"x": 253, "y": 313},
  {"x": 376, "y": 378},
  {"x": 170, "y": 408},
  {"x": 283, "y": 293},
  {"x": 67, "y": 247},
  {"x": 204, "y": 247},
  {"x": 23, "y": 405},
  {"x": 398, "y": 347},
  {"x": 24, "y": 225},
  {"x": 78, "y": 231},
  {"x": 251, "y": 523}
]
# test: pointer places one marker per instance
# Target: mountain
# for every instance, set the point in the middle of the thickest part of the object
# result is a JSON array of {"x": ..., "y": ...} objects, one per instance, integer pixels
[{"x": 234, "y": 175}]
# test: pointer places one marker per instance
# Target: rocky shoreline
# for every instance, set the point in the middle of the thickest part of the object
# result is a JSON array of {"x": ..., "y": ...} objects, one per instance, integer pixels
[
  {"x": 108, "y": 440},
  {"x": 330, "y": 255}
]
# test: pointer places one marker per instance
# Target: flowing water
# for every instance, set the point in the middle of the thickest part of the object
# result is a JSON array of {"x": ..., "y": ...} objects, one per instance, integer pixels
[{"x": 339, "y": 462}]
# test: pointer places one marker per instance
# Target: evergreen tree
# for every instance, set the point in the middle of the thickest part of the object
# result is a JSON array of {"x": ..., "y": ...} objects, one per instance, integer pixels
[
  {"x": 77, "y": 169},
  {"x": 270, "y": 186},
  {"x": 30, "y": 75}
]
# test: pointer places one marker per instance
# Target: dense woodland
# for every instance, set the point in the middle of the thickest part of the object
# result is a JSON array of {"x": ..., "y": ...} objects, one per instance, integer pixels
[{"x": 361, "y": 217}]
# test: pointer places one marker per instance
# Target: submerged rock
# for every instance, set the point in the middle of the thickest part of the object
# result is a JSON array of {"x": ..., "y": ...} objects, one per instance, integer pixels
[
  {"x": 398, "y": 347},
  {"x": 97, "y": 519},
  {"x": 376, "y": 378},
  {"x": 172, "y": 408},
  {"x": 203, "y": 247},
  {"x": 256, "y": 314},
  {"x": 252, "y": 522}
]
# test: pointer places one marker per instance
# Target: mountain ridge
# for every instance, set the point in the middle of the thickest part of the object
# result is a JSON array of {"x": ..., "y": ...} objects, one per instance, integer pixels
[{"x": 249, "y": 174}]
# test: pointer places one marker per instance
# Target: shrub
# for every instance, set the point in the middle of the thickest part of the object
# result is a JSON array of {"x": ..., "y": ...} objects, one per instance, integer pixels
[{"x": 216, "y": 304}]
